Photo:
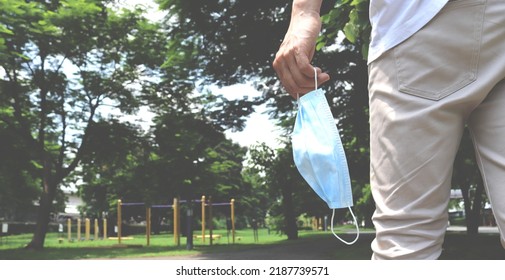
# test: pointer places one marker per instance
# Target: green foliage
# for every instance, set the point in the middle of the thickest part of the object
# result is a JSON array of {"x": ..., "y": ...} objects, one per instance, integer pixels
[
  {"x": 195, "y": 151},
  {"x": 113, "y": 151},
  {"x": 187, "y": 157},
  {"x": 282, "y": 182},
  {"x": 351, "y": 18}
]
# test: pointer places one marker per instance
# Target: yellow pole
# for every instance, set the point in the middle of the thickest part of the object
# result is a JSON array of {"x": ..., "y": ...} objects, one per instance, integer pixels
[
  {"x": 119, "y": 221},
  {"x": 232, "y": 206},
  {"x": 203, "y": 219},
  {"x": 79, "y": 229},
  {"x": 87, "y": 229},
  {"x": 174, "y": 206},
  {"x": 104, "y": 229},
  {"x": 69, "y": 229},
  {"x": 177, "y": 239},
  {"x": 210, "y": 220},
  {"x": 96, "y": 229},
  {"x": 148, "y": 225}
]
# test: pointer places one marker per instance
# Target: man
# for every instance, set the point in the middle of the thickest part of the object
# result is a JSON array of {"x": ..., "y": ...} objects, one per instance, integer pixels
[{"x": 434, "y": 67}]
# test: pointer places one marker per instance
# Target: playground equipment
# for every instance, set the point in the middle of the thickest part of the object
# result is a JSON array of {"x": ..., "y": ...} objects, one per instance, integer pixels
[
  {"x": 177, "y": 222},
  {"x": 209, "y": 204},
  {"x": 87, "y": 229},
  {"x": 177, "y": 216},
  {"x": 206, "y": 210},
  {"x": 175, "y": 206},
  {"x": 120, "y": 204}
]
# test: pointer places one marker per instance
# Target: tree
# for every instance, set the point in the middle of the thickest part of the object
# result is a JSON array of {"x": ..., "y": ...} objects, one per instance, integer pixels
[
  {"x": 184, "y": 155},
  {"x": 115, "y": 149},
  {"x": 18, "y": 177},
  {"x": 256, "y": 199},
  {"x": 279, "y": 176},
  {"x": 270, "y": 164},
  {"x": 187, "y": 154},
  {"x": 61, "y": 62},
  {"x": 194, "y": 158}
]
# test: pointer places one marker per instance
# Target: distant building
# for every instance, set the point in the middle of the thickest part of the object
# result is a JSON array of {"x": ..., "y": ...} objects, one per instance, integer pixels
[
  {"x": 456, "y": 194},
  {"x": 71, "y": 207},
  {"x": 456, "y": 212}
]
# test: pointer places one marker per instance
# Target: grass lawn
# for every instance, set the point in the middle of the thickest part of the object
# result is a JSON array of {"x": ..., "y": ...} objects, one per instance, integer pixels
[{"x": 12, "y": 247}]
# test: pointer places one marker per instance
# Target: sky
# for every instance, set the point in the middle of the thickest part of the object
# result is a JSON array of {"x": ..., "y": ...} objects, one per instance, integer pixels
[{"x": 259, "y": 127}]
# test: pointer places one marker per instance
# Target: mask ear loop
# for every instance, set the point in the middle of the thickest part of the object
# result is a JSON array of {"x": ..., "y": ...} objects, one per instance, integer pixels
[{"x": 338, "y": 237}]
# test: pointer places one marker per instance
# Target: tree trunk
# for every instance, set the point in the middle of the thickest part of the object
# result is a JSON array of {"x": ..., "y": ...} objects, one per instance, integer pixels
[
  {"x": 155, "y": 222},
  {"x": 289, "y": 214},
  {"x": 43, "y": 216},
  {"x": 369, "y": 210},
  {"x": 472, "y": 208},
  {"x": 474, "y": 216}
]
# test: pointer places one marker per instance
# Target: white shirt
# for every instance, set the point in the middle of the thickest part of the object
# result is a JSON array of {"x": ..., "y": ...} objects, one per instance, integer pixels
[{"x": 393, "y": 21}]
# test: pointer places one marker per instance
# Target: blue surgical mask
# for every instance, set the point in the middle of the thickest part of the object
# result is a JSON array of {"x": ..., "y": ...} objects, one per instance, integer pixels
[{"x": 319, "y": 155}]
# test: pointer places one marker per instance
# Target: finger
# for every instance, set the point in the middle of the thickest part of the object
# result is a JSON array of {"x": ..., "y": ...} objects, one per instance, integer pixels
[
  {"x": 292, "y": 80},
  {"x": 307, "y": 70},
  {"x": 285, "y": 76},
  {"x": 298, "y": 64},
  {"x": 321, "y": 76},
  {"x": 302, "y": 83},
  {"x": 290, "y": 86},
  {"x": 296, "y": 73}
]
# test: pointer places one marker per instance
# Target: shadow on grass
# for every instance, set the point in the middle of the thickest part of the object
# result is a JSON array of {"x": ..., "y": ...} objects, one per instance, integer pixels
[
  {"x": 460, "y": 246},
  {"x": 457, "y": 246}
]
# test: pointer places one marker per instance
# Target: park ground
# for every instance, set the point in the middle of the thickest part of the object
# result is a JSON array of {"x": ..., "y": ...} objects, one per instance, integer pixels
[
  {"x": 312, "y": 245},
  {"x": 458, "y": 246}
]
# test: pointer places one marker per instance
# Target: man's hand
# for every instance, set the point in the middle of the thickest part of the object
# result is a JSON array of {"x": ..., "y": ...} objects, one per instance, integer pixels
[{"x": 292, "y": 61}]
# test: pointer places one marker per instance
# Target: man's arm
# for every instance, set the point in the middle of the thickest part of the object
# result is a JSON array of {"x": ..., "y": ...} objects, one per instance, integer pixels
[{"x": 292, "y": 61}]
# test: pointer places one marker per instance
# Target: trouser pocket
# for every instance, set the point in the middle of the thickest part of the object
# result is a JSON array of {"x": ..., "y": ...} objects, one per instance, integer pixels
[{"x": 442, "y": 57}]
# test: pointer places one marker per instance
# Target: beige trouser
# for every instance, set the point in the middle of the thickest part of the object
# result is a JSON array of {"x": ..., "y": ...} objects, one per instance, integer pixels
[{"x": 422, "y": 94}]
